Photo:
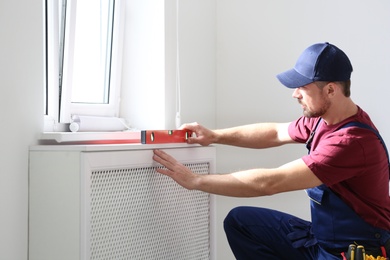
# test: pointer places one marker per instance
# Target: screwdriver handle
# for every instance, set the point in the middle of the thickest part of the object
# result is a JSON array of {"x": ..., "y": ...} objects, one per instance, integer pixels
[
  {"x": 360, "y": 253},
  {"x": 351, "y": 252}
]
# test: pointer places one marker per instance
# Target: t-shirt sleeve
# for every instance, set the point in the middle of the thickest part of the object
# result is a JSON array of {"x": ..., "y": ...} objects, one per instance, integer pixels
[{"x": 300, "y": 129}]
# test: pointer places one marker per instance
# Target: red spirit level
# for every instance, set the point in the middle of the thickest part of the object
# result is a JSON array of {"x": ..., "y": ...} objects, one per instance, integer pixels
[{"x": 165, "y": 136}]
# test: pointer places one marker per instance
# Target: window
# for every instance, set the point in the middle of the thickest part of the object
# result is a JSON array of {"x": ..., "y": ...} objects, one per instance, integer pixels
[{"x": 82, "y": 59}]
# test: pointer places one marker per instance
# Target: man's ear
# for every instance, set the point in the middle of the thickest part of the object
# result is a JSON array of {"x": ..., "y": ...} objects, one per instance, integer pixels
[{"x": 331, "y": 88}]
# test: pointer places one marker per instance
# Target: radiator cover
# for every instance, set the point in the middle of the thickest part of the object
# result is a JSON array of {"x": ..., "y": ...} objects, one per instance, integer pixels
[{"x": 90, "y": 203}]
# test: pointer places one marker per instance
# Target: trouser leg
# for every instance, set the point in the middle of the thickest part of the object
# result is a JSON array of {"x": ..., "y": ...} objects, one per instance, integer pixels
[{"x": 258, "y": 233}]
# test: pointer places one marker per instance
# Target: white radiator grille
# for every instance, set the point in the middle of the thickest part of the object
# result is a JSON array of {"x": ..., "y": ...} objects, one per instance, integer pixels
[{"x": 137, "y": 213}]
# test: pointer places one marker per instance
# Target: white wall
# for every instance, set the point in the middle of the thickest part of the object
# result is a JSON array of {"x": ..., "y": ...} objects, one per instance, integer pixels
[
  {"x": 149, "y": 62},
  {"x": 143, "y": 65},
  {"x": 21, "y": 105},
  {"x": 231, "y": 51},
  {"x": 258, "y": 39}
]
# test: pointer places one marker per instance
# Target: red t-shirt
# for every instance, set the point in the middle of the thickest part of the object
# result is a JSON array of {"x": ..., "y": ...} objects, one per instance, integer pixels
[{"x": 351, "y": 162}]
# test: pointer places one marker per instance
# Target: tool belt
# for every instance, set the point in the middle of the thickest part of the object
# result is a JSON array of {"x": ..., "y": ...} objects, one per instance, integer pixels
[{"x": 358, "y": 252}]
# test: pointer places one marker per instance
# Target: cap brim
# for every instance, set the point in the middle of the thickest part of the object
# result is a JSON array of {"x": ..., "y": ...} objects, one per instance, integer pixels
[{"x": 292, "y": 79}]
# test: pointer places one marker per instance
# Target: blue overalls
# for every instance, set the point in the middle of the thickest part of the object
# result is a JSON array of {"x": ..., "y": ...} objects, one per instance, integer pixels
[
  {"x": 260, "y": 233},
  {"x": 335, "y": 225}
]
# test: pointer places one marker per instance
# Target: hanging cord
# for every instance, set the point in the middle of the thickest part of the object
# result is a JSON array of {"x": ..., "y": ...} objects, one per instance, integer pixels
[{"x": 178, "y": 87}]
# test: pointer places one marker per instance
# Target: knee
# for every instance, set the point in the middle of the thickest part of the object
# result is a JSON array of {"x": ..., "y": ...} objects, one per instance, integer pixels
[
  {"x": 236, "y": 217},
  {"x": 233, "y": 214},
  {"x": 232, "y": 221},
  {"x": 248, "y": 216}
]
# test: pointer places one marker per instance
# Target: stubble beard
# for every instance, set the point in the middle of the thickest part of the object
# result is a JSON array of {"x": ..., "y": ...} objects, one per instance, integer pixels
[{"x": 318, "y": 112}]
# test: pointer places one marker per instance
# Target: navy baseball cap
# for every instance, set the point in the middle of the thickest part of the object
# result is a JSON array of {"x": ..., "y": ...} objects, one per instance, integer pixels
[{"x": 319, "y": 62}]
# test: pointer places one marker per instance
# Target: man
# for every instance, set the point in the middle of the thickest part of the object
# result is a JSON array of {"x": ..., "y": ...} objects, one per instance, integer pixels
[{"x": 346, "y": 173}]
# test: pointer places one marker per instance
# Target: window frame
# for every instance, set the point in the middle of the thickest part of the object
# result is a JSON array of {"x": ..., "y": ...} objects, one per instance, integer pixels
[{"x": 59, "y": 107}]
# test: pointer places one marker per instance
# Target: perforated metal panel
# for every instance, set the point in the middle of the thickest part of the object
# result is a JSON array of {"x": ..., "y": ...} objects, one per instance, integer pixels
[{"x": 136, "y": 213}]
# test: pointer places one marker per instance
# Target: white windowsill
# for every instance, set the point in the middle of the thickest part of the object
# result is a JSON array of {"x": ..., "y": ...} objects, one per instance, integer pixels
[{"x": 90, "y": 137}]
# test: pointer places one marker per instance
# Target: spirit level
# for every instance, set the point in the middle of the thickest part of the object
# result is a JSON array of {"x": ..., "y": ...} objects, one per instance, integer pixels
[{"x": 165, "y": 136}]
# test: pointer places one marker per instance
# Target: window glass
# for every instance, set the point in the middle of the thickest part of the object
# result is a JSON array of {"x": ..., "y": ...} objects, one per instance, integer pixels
[{"x": 92, "y": 51}]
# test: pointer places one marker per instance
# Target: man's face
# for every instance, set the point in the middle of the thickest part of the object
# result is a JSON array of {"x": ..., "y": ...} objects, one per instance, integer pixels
[{"x": 313, "y": 100}]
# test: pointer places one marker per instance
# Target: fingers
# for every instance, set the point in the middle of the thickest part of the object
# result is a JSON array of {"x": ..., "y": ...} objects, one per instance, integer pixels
[
  {"x": 177, "y": 171},
  {"x": 194, "y": 127},
  {"x": 165, "y": 160},
  {"x": 159, "y": 153},
  {"x": 163, "y": 171},
  {"x": 203, "y": 136},
  {"x": 162, "y": 158}
]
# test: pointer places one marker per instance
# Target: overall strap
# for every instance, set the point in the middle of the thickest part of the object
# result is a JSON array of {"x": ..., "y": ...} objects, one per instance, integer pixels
[
  {"x": 310, "y": 139},
  {"x": 365, "y": 126}
]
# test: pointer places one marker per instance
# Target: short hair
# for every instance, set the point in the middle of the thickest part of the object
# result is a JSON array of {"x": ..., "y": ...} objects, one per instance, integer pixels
[{"x": 346, "y": 87}]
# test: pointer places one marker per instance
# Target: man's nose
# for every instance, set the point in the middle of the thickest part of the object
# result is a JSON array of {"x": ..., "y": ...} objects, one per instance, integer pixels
[{"x": 296, "y": 93}]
